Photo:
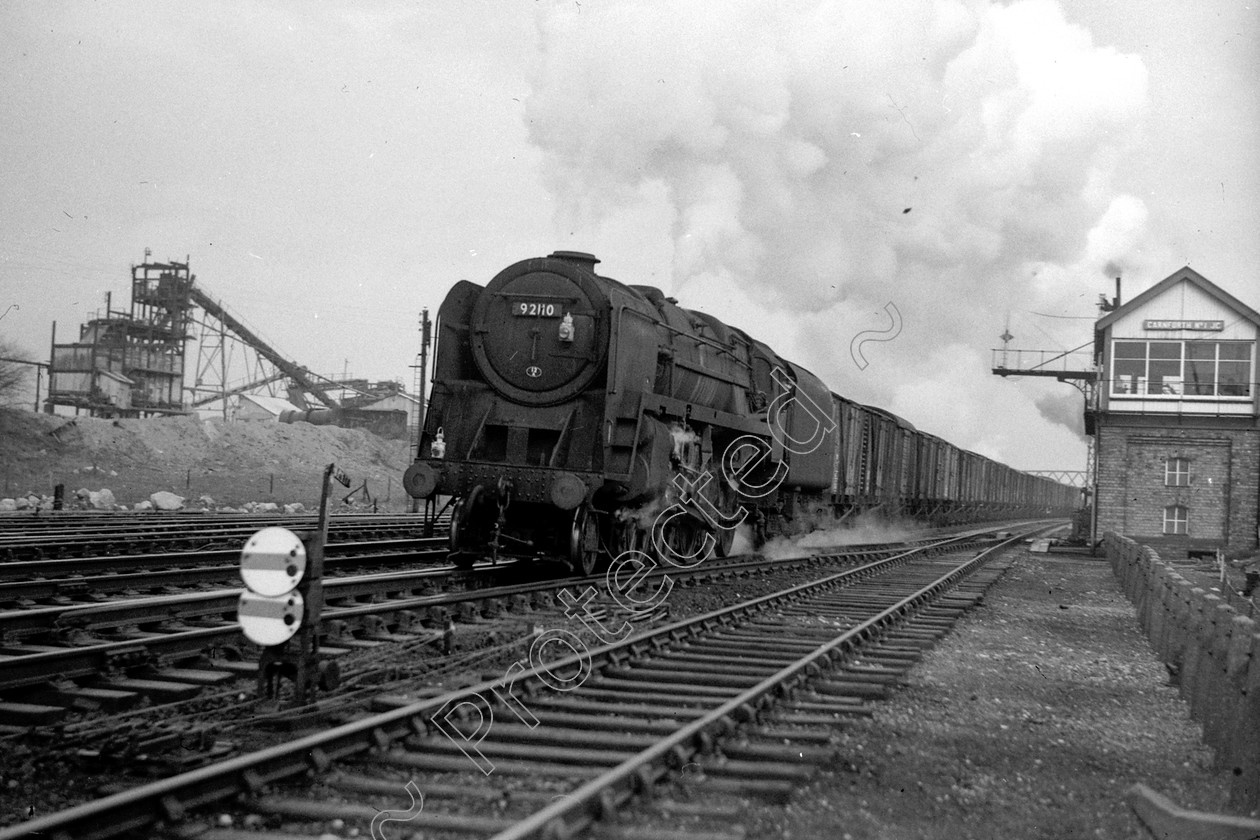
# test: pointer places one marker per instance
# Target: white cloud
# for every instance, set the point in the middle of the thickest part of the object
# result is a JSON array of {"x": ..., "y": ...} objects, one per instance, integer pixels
[{"x": 826, "y": 158}]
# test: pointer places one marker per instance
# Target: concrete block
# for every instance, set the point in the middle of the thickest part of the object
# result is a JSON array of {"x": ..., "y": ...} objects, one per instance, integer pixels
[
  {"x": 1164, "y": 819},
  {"x": 1244, "y": 792},
  {"x": 1192, "y": 649}
]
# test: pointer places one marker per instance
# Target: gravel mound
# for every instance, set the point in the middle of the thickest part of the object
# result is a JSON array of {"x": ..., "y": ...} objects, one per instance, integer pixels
[{"x": 233, "y": 463}]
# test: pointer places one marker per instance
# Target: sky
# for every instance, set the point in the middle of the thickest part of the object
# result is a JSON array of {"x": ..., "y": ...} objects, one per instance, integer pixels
[{"x": 812, "y": 172}]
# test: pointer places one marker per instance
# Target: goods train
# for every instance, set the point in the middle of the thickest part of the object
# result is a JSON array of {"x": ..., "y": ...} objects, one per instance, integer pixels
[{"x": 576, "y": 417}]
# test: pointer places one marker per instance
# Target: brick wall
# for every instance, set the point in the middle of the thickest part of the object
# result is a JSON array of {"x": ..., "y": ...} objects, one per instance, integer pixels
[{"x": 1221, "y": 498}]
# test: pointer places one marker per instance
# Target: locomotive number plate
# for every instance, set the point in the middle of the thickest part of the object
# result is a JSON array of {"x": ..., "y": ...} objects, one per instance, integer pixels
[{"x": 536, "y": 309}]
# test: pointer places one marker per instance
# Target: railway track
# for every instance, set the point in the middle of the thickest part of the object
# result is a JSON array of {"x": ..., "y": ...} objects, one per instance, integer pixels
[
  {"x": 742, "y": 699},
  {"x": 150, "y": 636},
  {"x": 119, "y": 534},
  {"x": 25, "y": 583}
]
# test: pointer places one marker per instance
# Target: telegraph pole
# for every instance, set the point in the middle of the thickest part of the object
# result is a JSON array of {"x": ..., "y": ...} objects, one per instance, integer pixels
[{"x": 426, "y": 338}]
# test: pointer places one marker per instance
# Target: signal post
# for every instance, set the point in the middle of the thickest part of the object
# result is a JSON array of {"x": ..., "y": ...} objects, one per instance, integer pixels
[{"x": 281, "y": 607}]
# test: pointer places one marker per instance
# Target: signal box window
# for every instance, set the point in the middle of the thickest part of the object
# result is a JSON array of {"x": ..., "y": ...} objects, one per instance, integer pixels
[
  {"x": 1177, "y": 472},
  {"x": 1176, "y": 520},
  {"x": 1181, "y": 369}
]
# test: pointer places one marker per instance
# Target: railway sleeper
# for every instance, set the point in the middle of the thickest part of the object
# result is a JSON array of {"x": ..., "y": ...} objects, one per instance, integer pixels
[
  {"x": 852, "y": 688},
  {"x": 811, "y": 733},
  {"x": 355, "y": 783},
  {"x": 872, "y": 673},
  {"x": 305, "y": 809},
  {"x": 656, "y": 725},
  {"x": 161, "y": 691},
  {"x": 642, "y": 694},
  {"x": 518, "y": 735},
  {"x": 22, "y": 715},
  {"x": 544, "y": 748},
  {"x": 757, "y": 642},
  {"x": 757, "y": 769},
  {"x": 796, "y": 713},
  {"x": 663, "y": 669},
  {"x": 459, "y": 763},
  {"x": 82, "y": 699},
  {"x": 770, "y": 791},
  {"x": 612, "y": 831},
  {"x": 889, "y": 657},
  {"x": 813, "y": 629},
  {"x": 247, "y": 667},
  {"x": 816, "y": 703},
  {"x": 643, "y": 710},
  {"x": 194, "y": 676},
  {"x": 909, "y": 635},
  {"x": 778, "y": 751},
  {"x": 727, "y": 657},
  {"x": 667, "y": 683}
]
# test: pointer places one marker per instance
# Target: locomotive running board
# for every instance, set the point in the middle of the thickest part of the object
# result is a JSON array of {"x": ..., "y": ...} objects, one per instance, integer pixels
[{"x": 703, "y": 414}]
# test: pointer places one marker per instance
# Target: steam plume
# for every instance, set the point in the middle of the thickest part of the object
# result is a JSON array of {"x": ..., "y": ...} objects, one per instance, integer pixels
[{"x": 820, "y": 159}]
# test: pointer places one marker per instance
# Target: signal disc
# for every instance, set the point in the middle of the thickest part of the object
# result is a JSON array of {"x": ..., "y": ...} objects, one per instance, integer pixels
[
  {"x": 267, "y": 620},
  {"x": 273, "y": 561}
]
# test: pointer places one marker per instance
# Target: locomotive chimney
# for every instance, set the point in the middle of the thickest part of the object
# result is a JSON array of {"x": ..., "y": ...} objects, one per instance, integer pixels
[{"x": 587, "y": 261}]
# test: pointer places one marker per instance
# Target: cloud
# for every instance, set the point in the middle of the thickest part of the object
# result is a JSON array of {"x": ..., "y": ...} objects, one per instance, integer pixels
[
  {"x": 822, "y": 159},
  {"x": 792, "y": 138}
]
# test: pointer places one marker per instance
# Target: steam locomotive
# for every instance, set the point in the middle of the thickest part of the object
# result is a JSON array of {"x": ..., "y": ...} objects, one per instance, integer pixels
[{"x": 574, "y": 416}]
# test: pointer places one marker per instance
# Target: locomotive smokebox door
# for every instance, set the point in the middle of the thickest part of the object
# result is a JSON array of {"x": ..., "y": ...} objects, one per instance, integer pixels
[{"x": 540, "y": 330}]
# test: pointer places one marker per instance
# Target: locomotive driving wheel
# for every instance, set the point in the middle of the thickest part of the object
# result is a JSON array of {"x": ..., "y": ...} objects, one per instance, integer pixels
[
  {"x": 684, "y": 541},
  {"x": 584, "y": 541},
  {"x": 625, "y": 534}
]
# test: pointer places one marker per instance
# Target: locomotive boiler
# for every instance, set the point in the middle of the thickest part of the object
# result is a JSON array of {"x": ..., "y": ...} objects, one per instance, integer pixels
[{"x": 568, "y": 411}]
